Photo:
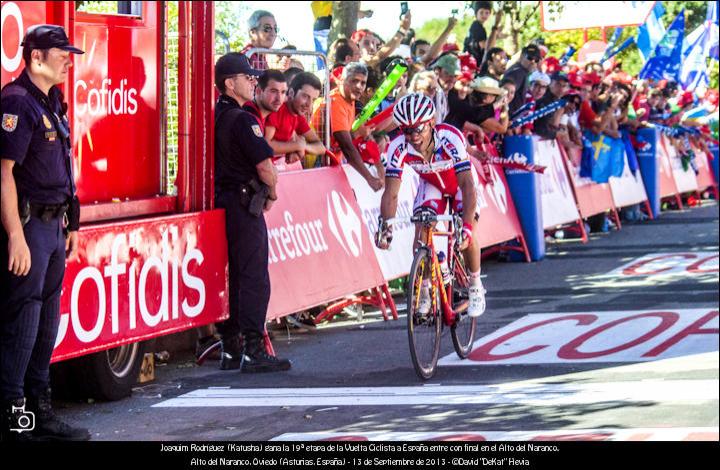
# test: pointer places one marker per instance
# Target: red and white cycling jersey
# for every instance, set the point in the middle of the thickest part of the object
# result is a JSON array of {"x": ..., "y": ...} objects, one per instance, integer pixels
[{"x": 449, "y": 159}]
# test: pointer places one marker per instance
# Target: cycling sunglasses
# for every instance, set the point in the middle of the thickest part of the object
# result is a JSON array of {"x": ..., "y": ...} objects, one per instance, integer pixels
[{"x": 414, "y": 130}]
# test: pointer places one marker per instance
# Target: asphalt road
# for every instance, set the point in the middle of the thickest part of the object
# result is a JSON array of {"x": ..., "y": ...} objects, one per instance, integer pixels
[{"x": 621, "y": 356}]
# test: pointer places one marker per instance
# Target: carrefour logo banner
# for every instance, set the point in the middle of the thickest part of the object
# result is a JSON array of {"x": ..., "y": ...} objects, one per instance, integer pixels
[{"x": 319, "y": 247}]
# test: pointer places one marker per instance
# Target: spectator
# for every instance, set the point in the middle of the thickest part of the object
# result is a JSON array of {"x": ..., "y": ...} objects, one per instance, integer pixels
[
  {"x": 432, "y": 52},
  {"x": 270, "y": 94},
  {"x": 291, "y": 73},
  {"x": 446, "y": 69},
  {"x": 477, "y": 40},
  {"x": 424, "y": 82},
  {"x": 287, "y": 130},
  {"x": 342, "y": 114},
  {"x": 519, "y": 72},
  {"x": 539, "y": 83},
  {"x": 418, "y": 49},
  {"x": 263, "y": 32},
  {"x": 283, "y": 61},
  {"x": 343, "y": 51},
  {"x": 509, "y": 87},
  {"x": 370, "y": 48},
  {"x": 496, "y": 64},
  {"x": 547, "y": 126}
]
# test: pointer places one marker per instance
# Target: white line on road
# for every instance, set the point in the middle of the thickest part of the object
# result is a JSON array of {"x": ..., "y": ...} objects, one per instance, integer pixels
[
  {"x": 603, "y": 434},
  {"x": 518, "y": 393}
]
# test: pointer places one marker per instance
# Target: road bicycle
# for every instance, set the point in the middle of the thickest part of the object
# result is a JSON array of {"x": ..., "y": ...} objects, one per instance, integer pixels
[{"x": 446, "y": 290}]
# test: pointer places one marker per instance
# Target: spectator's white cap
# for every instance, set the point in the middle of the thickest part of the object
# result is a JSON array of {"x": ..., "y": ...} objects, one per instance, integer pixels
[
  {"x": 537, "y": 76},
  {"x": 487, "y": 85}
]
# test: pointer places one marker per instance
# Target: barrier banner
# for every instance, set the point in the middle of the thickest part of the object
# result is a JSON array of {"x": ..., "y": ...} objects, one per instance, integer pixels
[
  {"x": 685, "y": 180},
  {"x": 525, "y": 189},
  {"x": 498, "y": 218},
  {"x": 667, "y": 181},
  {"x": 558, "y": 202},
  {"x": 396, "y": 261},
  {"x": 592, "y": 198},
  {"x": 318, "y": 248},
  {"x": 628, "y": 189},
  {"x": 141, "y": 279},
  {"x": 705, "y": 178}
]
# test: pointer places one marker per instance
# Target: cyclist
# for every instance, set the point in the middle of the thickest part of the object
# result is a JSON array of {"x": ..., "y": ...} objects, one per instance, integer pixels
[{"x": 437, "y": 152}]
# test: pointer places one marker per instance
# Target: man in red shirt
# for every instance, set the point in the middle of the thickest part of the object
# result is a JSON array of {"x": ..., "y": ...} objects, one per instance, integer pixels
[{"x": 287, "y": 130}]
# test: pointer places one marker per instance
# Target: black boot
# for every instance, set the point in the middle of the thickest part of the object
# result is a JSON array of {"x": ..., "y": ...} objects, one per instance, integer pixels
[
  {"x": 17, "y": 423},
  {"x": 231, "y": 357},
  {"x": 48, "y": 426},
  {"x": 257, "y": 359}
]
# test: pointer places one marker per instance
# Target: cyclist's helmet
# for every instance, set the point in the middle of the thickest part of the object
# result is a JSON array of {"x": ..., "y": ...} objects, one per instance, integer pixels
[{"x": 414, "y": 109}]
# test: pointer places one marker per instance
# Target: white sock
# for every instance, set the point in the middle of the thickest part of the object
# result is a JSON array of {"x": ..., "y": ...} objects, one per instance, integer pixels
[{"x": 475, "y": 278}]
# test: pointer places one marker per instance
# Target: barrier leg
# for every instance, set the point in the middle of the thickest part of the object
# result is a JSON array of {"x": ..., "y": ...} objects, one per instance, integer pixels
[
  {"x": 390, "y": 301},
  {"x": 268, "y": 344},
  {"x": 616, "y": 217},
  {"x": 648, "y": 208},
  {"x": 583, "y": 232},
  {"x": 380, "y": 303}
]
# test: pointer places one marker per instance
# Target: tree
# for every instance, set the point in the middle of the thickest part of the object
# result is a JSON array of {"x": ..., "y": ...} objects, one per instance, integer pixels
[{"x": 344, "y": 20}]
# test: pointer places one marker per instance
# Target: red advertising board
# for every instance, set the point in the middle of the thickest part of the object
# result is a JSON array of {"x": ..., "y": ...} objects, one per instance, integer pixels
[
  {"x": 142, "y": 279},
  {"x": 320, "y": 249},
  {"x": 498, "y": 219}
]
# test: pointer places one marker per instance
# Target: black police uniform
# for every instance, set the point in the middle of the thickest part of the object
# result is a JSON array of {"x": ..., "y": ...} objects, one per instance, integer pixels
[
  {"x": 239, "y": 147},
  {"x": 35, "y": 135}
]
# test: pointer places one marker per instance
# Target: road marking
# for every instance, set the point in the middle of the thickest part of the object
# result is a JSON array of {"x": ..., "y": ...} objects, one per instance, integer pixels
[
  {"x": 514, "y": 393},
  {"x": 592, "y": 337},
  {"x": 603, "y": 434},
  {"x": 670, "y": 264}
]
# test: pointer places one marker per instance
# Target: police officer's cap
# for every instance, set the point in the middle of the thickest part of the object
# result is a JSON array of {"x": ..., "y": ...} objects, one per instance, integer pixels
[
  {"x": 47, "y": 36},
  {"x": 234, "y": 63}
]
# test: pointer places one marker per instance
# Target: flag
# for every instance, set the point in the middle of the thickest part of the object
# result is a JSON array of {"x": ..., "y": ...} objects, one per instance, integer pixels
[
  {"x": 651, "y": 32},
  {"x": 611, "y": 45},
  {"x": 701, "y": 44},
  {"x": 602, "y": 157},
  {"x": 667, "y": 58}
]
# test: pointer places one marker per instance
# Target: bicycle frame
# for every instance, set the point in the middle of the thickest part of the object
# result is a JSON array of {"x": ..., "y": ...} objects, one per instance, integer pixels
[{"x": 446, "y": 292}]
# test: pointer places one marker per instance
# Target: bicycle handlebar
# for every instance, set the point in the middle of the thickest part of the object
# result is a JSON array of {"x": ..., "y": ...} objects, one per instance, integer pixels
[{"x": 423, "y": 217}]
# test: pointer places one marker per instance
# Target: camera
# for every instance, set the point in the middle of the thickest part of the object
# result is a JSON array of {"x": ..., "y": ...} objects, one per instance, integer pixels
[{"x": 23, "y": 421}]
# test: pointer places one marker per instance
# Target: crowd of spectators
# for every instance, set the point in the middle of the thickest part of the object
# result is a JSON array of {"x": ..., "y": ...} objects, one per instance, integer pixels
[{"x": 480, "y": 90}]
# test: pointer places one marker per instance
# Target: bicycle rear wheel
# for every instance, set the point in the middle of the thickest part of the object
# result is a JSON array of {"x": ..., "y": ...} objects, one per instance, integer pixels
[
  {"x": 464, "y": 327},
  {"x": 423, "y": 328}
]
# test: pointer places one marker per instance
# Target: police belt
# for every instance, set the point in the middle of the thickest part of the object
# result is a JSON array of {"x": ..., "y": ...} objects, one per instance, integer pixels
[
  {"x": 47, "y": 212},
  {"x": 252, "y": 195}
]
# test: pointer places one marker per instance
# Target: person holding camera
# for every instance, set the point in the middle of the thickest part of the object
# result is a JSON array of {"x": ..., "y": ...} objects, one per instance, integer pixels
[
  {"x": 245, "y": 186},
  {"x": 40, "y": 221}
]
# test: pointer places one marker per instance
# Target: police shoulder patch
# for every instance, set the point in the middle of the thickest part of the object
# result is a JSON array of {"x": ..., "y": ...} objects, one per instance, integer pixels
[
  {"x": 256, "y": 129},
  {"x": 9, "y": 122}
]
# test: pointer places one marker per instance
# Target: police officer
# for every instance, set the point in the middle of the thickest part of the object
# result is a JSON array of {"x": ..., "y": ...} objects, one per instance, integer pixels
[
  {"x": 38, "y": 196},
  {"x": 245, "y": 186}
]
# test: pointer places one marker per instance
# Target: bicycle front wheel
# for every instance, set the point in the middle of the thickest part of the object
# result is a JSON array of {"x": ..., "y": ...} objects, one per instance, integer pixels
[
  {"x": 464, "y": 327},
  {"x": 423, "y": 316}
]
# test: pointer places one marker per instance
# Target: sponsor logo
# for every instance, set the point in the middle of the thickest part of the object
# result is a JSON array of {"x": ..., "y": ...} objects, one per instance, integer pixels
[
  {"x": 295, "y": 239},
  {"x": 345, "y": 224},
  {"x": 138, "y": 278},
  {"x": 11, "y": 64},
  {"x": 107, "y": 100}
]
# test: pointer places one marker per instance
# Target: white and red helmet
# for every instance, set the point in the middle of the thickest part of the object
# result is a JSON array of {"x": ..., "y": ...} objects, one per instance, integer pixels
[{"x": 413, "y": 109}]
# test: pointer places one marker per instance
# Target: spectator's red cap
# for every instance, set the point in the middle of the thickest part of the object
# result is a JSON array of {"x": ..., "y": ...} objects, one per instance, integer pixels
[
  {"x": 576, "y": 79},
  {"x": 467, "y": 62},
  {"x": 592, "y": 77},
  {"x": 622, "y": 77},
  {"x": 358, "y": 35},
  {"x": 711, "y": 96},
  {"x": 465, "y": 76},
  {"x": 369, "y": 151},
  {"x": 336, "y": 73},
  {"x": 685, "y": 99},
  {"x": 552, "y": 65},
  {"x": 450, "y": 46}
]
